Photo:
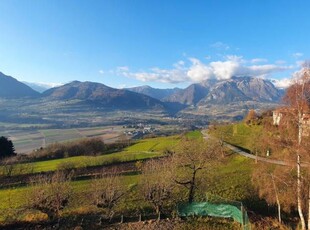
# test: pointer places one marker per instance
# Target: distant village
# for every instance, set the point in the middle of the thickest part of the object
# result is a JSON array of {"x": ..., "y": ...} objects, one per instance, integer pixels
[{"x": 138, "y": 130}]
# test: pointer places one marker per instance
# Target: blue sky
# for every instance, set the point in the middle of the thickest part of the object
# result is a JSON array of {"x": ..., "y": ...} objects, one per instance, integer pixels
[{"x": 160, "y": 43}]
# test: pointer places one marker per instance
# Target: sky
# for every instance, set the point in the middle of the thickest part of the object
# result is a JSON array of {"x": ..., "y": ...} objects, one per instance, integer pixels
[{"x": 164, "y": 44}]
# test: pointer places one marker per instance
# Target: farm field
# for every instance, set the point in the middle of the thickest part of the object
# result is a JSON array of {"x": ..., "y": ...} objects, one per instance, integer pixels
[
  {"x": 227, "y": 180},
  {"x": 14, "y": 199},
  {"x": 220, "y": 184},
  {"x": 27, "y": 141},
  {"x": 142, "y": 149}
]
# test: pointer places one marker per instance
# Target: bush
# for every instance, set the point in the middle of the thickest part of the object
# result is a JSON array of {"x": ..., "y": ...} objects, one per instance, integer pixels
[{"x": 6, "y": 148}]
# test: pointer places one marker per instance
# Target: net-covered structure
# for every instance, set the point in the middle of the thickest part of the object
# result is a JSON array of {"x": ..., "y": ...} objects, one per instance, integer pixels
[{"x": 224, "y": 209}]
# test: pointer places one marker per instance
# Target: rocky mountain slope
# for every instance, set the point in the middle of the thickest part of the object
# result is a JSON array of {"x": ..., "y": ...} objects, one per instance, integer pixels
[
  {"x": 12, "y": 88},
  {"x": 227, "y": 91},
  {"x": 188, "y": 96},
  {"x": 159, "y": 94}
]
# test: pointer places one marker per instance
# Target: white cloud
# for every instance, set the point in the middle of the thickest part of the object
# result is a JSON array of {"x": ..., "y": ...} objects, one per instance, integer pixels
[
  {"x": 297, "y": 55},
  {"x": 283, "y": 83},
  {"x": 258, "y": 60},
  {"x": 101, "y": 71},
  {"x": 220, "y": 46},
  {"x": 47, "y": 84},
  {"x": 197, "y": 71},
  {"x": 123, "y": 68},
  {"x": 176, "y": 75},
  {"x": 232, "y": 66},
  {"x": 226, "y": 69}
]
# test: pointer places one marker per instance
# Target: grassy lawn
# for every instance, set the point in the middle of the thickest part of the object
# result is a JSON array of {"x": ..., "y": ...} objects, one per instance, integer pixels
[
  {"x": 158, "y": 144},
  {"x": 232, "y": 179},
  {"x": 194, "y": 134},
  {"x": 237, "y": 134}
]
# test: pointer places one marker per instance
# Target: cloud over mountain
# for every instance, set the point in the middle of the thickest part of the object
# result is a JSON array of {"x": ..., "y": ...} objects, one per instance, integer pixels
[
  {"x": 283, "y": 83},
  {"x": 197, "y": 71}
]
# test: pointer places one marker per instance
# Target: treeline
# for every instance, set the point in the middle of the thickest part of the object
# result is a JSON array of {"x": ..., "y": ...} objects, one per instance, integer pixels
[{"x": 84, "y": 147}]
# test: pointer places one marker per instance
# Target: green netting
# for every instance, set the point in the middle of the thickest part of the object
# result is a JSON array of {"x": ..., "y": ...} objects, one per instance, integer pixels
[{"x": 235, "y": 212}]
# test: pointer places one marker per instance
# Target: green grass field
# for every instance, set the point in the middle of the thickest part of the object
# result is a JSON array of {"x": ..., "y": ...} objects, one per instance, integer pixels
[
  {"x": 194, "y": 134},
  {"x": 143, "y": 149},
  {"x": 158, "y": 144},
  {"x": 232, "y": 179},
  {"x": 238, "y": 134},
  {"x": 13, "y": 201},
  {"x": 229, "y": 179}
]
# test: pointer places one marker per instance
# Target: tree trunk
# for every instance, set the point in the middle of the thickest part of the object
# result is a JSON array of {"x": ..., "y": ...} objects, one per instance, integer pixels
[
  {"x": 308, "y": 222},
  {"x": 301, "y": 215},
  {"x": 157, "y": 209},
  {"x": 192, "y": 188},
  {"x": 277, "y": 198},
  {"x": 302, "y": 219},
  {"x": 299, "y": 127}
]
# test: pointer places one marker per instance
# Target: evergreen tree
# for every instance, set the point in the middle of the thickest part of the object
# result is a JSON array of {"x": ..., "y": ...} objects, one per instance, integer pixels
[{"x": 6, "y": 148}]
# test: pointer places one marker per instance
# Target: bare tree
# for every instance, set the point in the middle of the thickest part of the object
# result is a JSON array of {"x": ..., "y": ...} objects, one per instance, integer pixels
[
  {"x": 157, "y": 185},
  {"x": 50, "y": 194},
  {"x": 275, "y": 185},
  {"x": 298, "y": 99},
  {"x": 107, "y": 191},
  {"x": 251, "y": 117},
  {"x": 8, "y": 166},
  {"x": 288, "y": 141},
  {"x": 193, "y": 157}
]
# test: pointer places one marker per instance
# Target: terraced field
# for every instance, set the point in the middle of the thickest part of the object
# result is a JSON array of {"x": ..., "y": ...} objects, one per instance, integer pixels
[
  {"x": 219, "y": 178},
  {"x": 143, "y": 149}
]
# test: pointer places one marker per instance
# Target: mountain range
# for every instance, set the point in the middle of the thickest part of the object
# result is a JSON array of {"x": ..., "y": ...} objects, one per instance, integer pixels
[
  {"x": 103, "y": 95},
  {"x": 159, "y": 94},
  {"x": 237, "y": 90},
  {"x": 11, "y": 88},
  {"x": 218, "y": 92}
]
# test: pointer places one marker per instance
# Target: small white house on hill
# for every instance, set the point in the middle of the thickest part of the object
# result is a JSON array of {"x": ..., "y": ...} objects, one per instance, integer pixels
[{"x": 279, "y": 116}]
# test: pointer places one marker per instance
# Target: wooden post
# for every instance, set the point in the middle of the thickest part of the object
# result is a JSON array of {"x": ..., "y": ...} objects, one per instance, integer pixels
[{"x": 242, "y": 217}]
